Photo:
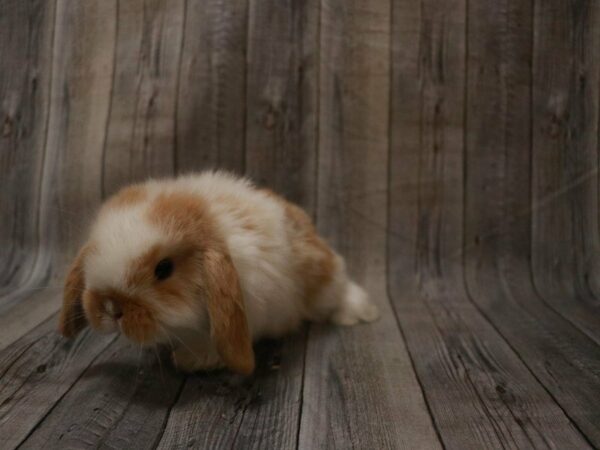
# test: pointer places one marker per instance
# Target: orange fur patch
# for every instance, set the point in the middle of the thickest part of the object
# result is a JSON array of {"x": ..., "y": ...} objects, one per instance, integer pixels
[
  {"x": 229, "y": 327},
  {"x": 128, "y": 196},
  {"x": 316, "y": 261},
  {"x": 71, "y": 319},
  {"x": 183, "y": 216}
]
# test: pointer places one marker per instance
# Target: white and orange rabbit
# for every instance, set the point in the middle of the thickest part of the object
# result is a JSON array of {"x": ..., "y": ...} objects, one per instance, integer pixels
[{"x": 206, "y": 263}]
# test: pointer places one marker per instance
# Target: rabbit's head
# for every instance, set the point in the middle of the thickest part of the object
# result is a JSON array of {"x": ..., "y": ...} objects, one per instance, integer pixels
[{"x": 154, "y": 264}]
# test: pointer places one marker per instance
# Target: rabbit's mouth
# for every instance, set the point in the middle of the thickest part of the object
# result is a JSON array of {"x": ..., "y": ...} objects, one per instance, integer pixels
[
  {"x": 139, "y": 326},
  {"x": 110, "y": 312}
]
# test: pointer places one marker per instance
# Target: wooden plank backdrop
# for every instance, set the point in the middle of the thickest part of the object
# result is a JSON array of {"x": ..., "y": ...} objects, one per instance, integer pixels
[{"x": 448, "y": 149}]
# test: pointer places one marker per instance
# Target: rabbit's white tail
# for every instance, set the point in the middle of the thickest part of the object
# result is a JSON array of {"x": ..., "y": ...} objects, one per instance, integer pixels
[{"x": 355, "y": 307}]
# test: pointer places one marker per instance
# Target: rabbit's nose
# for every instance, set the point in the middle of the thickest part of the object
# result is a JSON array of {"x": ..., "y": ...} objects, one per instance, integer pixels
[{"x": 113, "y": 309}]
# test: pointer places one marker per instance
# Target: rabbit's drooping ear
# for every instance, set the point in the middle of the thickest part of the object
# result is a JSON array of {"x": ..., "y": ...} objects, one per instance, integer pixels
[
  {"x": 72, "y": 319},
  {"x": 225, "y": 303}
]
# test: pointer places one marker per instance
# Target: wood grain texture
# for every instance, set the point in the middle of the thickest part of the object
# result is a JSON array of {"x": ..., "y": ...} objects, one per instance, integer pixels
[
  {"x": 24, "y": 105},
  {"x": 447, "y": 149},
  {"x": 565, "y": 160},
  {"x": 359, "y": 390},
  {"x": 36, "y": 372},
  {"x": 141, "y": 127},
  {"x": 80, "y": 82},
  {"x": 212, "y": 86},
  {"x": 498, "y": 180},
  {"x": 121, "y": 401},
  {"x": 263, "y": 412},
  {"x": 281, "y": 153},
  {"x": 497, "y": 224},
  {"x": 479, "y": 392},
  {"x": 224, "y": 410},
  {"x": 281, "y": 101},
  {"x": 34, "y": 305}
]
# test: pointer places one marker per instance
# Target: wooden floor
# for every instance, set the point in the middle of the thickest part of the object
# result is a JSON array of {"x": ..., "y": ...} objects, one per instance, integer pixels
[{"x": 449, "y": 150}]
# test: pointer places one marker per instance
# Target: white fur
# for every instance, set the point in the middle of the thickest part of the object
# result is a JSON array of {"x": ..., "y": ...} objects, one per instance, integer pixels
[
  {"x": 120, "y": 236},
  {"x": 264, "y": 259}
]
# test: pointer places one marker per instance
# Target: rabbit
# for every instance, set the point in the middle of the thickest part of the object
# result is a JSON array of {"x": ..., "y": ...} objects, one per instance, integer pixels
[{"x": 206, "y": 264}]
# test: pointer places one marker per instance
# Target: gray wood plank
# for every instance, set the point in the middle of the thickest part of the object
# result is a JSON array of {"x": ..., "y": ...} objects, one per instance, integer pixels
[
  {"x": 82, "y": 71},
  {"x": 498, "y": 225},
  {"x": 270, "y": 418},
  {"x": 141, "y": 127},
  {"x": 360, "y": 389},
  {"x": 281, "y": 102},
  {"x": 121, "y": 401},
  {"x": 36, "y": 372},
  {"x": 212, "y": 86},
  {"x": 33, "y": 306},
  {"x": 565, "y": 160},
  {"x": 24, "y": 103}
]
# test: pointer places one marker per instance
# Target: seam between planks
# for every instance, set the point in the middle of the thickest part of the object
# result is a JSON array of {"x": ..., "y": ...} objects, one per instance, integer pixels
[
  {"x": 110, "y": 104},
  {"x": 315, "y": 202},
  {"x": 245, "y": 118},
  {"x": 301, "y": 403},
  {"x": 40, "y": 186},
  {"x": 163, "y": 427},
  {"x": 245, "y": 164},
  {"x": 410, "y": 357},
  {"x": 21, "y": 353},
  {"x": 317, "y": 139},
  {"x": 177, "y": 87}
]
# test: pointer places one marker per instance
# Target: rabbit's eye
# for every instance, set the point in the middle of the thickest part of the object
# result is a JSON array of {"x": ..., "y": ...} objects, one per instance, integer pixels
[{"x": 163, "y": 269}]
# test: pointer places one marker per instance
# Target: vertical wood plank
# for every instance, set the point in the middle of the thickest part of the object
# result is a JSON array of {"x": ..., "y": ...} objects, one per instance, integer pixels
[
  {"x": 360, "y": 389},
  {"x": 141, "y": 128},
  {"x": 281, "y": 100},
  {"x": 26, "y": 34},
  {"x": 212, "y": 87},
  {"x": 81, "y": 85},
  {"x": 565, "y": 160}
]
